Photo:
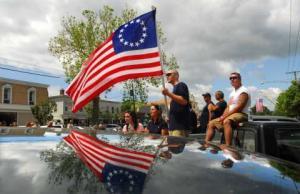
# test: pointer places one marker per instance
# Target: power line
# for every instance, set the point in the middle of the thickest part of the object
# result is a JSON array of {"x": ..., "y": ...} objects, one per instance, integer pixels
[
  {"x": 296, "y": 47},
  {"x": 290, "y": 35},
  {"x": 295, "y": 74},
  {"x": 28, "y": 72}
]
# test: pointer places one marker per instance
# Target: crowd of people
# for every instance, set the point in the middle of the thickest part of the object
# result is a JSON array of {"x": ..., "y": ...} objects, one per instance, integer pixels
[{"x": 221, "y": 116}]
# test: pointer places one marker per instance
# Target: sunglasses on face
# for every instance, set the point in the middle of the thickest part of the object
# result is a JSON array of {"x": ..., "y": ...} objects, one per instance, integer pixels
[
  {"x": 233, "y": 78},
  {"x": 168, "y": 74}
]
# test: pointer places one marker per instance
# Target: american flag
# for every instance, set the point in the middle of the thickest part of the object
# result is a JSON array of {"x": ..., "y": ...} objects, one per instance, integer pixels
[
  {"x": 122, "y": 170},
  {"x": 130, "y": 52},
  {"x": 259, "y": 105}
]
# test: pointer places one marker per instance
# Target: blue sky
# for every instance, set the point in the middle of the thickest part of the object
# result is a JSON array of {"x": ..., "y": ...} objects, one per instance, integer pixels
[{"x": 210, "y": 39}]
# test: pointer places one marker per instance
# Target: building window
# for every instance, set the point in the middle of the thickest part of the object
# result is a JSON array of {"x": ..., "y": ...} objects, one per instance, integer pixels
[
  {"x": 112, "y": 110},
  {"x": 31, "y": 96},
  {"x": 107, "y": 109},
  {"x": 66, "y": 107},
  {"x": 117, "y": 109},
  {"x": 6, "y": 94}
]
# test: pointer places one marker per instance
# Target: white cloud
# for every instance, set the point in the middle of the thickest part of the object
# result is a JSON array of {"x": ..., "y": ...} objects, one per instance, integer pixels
[
  {"x": 269, "y": 95},
  {"x": 54, "y": 90},
  {"x": 208, "y": 38}
]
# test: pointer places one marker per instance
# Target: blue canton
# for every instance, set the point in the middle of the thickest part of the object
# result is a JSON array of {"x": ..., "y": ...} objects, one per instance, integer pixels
[
  {"x": 119, "y": 180},
  {"x": 139, "y": 33}
]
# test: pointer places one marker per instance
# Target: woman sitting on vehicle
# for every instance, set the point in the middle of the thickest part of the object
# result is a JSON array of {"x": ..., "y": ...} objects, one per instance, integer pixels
[
  {"x": 156, "y": 125},
  {"x": 132, "y": 124}
]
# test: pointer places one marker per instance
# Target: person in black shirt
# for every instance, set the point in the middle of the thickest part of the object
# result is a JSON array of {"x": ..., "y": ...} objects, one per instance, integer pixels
[
  {"x": 218, "y": 109},
  {"x": 156, "y": 125},
  {"x": 179, "y": 109},
  {"x": 206, "y": 113}
]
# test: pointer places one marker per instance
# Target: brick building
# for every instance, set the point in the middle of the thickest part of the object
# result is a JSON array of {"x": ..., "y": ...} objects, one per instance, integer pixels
[{"x": 16, "y": 98}]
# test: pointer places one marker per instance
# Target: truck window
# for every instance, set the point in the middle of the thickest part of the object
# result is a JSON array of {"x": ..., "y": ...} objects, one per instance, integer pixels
[
  {"x": 245, "y": 139},
  {"x": 288, "y": 136},
  {"x": 288, "y": 144}
]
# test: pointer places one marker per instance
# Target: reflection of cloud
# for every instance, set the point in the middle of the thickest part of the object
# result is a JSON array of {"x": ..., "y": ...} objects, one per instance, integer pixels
[
  {"x": 23, "y": 170},
  {"x": 269, "y": 95}
]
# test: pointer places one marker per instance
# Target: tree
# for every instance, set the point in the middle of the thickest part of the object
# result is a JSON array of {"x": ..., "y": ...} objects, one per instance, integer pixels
[
  {"x": 288, "y": 102},
  {"x": 266, "y": 111},
  {"x": 79, "y": 37},
  {"x": 43, "y": 112}
]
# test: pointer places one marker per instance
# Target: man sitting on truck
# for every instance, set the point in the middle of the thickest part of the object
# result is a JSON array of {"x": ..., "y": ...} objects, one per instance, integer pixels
[{"x": 236, "y": 111}]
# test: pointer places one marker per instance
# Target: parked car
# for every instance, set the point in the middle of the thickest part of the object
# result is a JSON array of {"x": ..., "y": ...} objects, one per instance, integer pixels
[
  {"x": 175, "y": 171},
  {"x": 113, "y": 127}
]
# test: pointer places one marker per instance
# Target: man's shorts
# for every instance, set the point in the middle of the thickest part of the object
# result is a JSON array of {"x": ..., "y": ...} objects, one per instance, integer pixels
[
  {"x": 178, "y": 133},
  {"x": 235, "y": 117}
]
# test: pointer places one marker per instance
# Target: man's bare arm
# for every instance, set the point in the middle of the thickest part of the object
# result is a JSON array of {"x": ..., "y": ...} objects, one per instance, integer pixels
[{"x": 242, "y": 101}]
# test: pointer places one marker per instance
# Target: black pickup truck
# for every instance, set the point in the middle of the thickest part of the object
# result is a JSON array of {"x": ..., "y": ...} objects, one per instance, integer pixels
[{"x": 280, "y": 139}]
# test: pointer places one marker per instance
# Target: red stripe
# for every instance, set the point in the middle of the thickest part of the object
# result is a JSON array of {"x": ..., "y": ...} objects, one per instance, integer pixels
[
  {"x": 87, "y": 71},
  {"x": 84, "y": 157},
  {"x": 111, "y": 146},
  {"x": 100, "y": 147},
  {"x": 88, "y": 63},
  {"x": 122, "y": 59},
  {"x": 117, "y": 70},
  {"x": 79, "y": 105},
  {"x": 110, "y": 158}
]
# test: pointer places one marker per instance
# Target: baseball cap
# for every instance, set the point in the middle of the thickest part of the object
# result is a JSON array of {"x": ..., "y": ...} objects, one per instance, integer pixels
[{"x": 206, "y": 94}]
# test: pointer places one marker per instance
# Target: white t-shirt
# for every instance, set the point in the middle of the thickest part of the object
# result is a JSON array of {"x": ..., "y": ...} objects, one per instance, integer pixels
[{"x": 234, "y": 97}]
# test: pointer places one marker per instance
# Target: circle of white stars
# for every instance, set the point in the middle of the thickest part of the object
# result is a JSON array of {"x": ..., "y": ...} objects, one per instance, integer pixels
[
  {"x": 140, "y": 40},
  {"x": 117, "y": 172}
]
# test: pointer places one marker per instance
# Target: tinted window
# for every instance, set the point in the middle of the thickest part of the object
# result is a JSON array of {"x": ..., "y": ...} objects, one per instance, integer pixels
[
  {"x": 288, "y": 136},
  {"x": 288, "y": 144},
  {"x": 245, "y": 139},
  {"x": 289, "y": 120}
]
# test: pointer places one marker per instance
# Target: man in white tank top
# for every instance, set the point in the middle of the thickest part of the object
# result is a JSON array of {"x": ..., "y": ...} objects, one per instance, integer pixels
[{"x": 236, "y": 111}]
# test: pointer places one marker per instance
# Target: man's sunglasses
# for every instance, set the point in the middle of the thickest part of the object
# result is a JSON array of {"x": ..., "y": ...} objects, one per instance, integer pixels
[
  {"x": 168, "y": 74},
  {"x": 232, "y": 78}
]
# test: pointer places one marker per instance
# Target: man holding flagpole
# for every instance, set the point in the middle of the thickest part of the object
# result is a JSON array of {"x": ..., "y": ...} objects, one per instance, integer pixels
[{"x": 179, "y": 109}]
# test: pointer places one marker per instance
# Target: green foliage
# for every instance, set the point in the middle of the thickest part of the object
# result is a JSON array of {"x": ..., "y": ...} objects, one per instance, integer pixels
[
  {"x": 266, "y": 111},
  {"x": 43, "y": 112},
  {"x": 79, "y": 37},
  {"x": 288, "y": 102},
  {"x": 66, "y": 168}
]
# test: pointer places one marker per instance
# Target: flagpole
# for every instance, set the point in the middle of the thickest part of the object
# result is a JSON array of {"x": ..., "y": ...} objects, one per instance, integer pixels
[{"x": 161, "y": 63}]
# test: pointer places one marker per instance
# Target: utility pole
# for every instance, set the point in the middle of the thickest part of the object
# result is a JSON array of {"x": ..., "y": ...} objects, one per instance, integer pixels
[{"x": 295, "y": 74}]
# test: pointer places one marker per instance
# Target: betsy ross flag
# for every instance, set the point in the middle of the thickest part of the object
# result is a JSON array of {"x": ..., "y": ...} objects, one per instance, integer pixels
[
  {"x": 122, "y": 170},
  {"x": 130, "y": 52},
  {"x": 259, "y": 105}
]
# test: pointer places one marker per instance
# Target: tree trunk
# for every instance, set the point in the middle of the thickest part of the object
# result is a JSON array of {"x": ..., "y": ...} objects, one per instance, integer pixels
[{"x": 95, "y": 111}]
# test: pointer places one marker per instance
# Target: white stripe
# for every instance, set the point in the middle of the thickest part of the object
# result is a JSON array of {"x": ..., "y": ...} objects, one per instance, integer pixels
[
  {"x": 90, "y": 66},
  {"x": 119, "y": 55},
  {"x": 138, "y": 162},
  {"x": 117, "y": 65},
  {"x": 85, "y": 150},
  {"x": 114, "y": 150},
  {"x": 115, "y": 162},
  {"x": 114, "y": 76},
  {"x": 86, "y": 156}
]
